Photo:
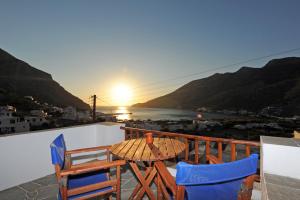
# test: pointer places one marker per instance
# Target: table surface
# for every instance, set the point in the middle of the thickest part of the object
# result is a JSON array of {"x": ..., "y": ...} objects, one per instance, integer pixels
[{"x": 138, "y": 150}]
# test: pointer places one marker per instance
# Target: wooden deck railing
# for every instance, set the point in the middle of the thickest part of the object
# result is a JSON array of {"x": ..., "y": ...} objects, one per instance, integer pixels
[{"x": 193, "y": 142}]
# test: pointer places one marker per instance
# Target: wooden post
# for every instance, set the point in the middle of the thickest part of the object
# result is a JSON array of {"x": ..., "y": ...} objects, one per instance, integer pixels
[
  {"x": 108, "y": 155},
  {"x": 126, "y": 134},
  {"x": 94, "y": 107},
  {"x": 220, "y": 151},
  {"x": 233, "y": 152},
  {"x": 131, "y": 133},
  {"x": 118, "y": 196},
  {"x": 179, "y": 192},
  {"x": 186, "y": 149},
  {"x": 207, "y": 149},
  {"x": 196, "y": 151},
  {"x": 248, "y": 150}
]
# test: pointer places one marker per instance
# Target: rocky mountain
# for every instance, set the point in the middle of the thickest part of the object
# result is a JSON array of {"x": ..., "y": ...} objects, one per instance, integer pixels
[
  {"x": 19, "y": 79},
  {"x": 275, "y": 84}
]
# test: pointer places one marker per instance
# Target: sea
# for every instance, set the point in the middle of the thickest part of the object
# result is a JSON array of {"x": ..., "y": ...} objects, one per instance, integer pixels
[{"x": 134, "y": 113}]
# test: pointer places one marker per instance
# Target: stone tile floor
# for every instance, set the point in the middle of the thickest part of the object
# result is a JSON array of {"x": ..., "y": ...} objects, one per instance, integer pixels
[{"x": 46, "y": 188}]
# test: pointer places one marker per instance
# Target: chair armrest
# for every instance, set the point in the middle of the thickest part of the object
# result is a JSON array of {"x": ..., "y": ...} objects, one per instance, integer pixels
[
  {"x": 89, "y": 167},
  {"x": 75, "y": 151},
  {"x": 93, "y": 162},
  {"x": 190, "y": 162},
  {"x": 213, "y": 159}
]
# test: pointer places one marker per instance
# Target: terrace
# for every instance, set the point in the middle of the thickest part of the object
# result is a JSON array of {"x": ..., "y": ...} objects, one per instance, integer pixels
[{"x": 27, "y": 173}]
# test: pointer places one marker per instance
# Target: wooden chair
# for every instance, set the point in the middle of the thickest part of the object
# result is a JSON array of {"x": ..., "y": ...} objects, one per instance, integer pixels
[
  {"x": 83, "y": 181},
  {"x": 217, "y": 181}
]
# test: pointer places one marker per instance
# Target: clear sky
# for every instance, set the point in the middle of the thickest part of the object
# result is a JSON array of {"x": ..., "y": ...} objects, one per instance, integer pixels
[{"x": 91, "y": 46}]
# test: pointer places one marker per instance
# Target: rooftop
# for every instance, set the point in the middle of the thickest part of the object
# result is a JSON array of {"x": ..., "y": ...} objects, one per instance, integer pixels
[{"x": 36, "y": 179}]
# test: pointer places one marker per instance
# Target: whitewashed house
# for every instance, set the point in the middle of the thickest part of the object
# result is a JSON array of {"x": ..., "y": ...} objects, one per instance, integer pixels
[
  {"x": 69, "y": 113},
  {"x": 84, "y": 116},
  {"x": 10, "y": 123},
  {"x": 38, "y": 113},
  {"x": 36, "y": 121},
  {"x": 37, "y": 118}
]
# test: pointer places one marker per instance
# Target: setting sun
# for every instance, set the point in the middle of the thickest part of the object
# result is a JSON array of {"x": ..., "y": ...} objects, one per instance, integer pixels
[{"x": 121, "y": 94}]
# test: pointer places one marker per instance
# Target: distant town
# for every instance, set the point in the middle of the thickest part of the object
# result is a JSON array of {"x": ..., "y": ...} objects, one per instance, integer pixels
[
  {"x": 241, "y": 124},
  {"x": 48, "y": 116}
]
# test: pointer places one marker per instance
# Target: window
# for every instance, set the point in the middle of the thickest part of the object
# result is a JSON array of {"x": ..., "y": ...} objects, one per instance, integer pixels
[{"x": 12, "y": 121}]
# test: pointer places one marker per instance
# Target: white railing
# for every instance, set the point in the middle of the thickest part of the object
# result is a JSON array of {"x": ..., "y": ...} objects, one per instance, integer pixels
[{"x": 26, "y": 157}]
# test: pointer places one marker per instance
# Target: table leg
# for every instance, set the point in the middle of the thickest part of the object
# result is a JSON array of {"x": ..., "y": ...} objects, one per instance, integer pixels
[
  {"x": 158, "y": 182},
  {"x": 144, "y": 181},
  {"x": 139, "y": 186}
]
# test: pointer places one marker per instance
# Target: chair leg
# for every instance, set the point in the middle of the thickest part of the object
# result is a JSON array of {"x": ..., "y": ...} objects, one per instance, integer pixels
[
  {"x": 180, "y": 192},
  {"x": 64, "y": 193},
  {"x": 118, "y": 183}
]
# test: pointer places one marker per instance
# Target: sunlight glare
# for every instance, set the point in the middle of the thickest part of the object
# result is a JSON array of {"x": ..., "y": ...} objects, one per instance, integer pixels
[{"x": 121, "y": 95}]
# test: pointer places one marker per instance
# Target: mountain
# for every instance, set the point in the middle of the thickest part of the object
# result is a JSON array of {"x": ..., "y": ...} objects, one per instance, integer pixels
[
  {"x": 19, "y": 79},
  {"x": 275, "y": 84}
]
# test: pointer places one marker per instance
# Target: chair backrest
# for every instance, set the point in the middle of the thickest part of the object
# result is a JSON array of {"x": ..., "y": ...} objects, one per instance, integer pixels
[
  {"x": 58, "y": 149},
  {"x": 215, "y": 181}
]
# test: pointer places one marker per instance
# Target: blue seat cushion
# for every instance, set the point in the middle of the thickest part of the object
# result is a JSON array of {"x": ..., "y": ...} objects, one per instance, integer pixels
[{"x": 85, "y": 179}]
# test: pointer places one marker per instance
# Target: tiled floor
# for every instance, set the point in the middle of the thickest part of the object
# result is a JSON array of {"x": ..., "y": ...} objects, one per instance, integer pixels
[{"x": 46, "y": 188}]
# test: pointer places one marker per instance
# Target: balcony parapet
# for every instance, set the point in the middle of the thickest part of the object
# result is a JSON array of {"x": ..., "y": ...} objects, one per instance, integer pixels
[
  {"x": 280, "y": 166},
  {"x": 26, "y": 156}
]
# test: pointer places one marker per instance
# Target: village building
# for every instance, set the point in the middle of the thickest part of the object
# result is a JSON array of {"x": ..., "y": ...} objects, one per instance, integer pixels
[{"x": 10, "y": 122}]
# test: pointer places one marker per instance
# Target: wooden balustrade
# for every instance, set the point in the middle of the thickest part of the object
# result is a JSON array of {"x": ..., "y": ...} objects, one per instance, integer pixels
[
  {"x": 195, "y": 139},
  {"x": 220, "y": 150}
]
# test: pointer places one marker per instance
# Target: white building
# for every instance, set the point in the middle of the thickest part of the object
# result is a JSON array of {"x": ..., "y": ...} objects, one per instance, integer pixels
[
  {"x": 38, "y": 113},
  {"x": 69, "y": 113},
  {"x": 54, "y": 109},
  {"x": 37, "y": 118},
  {"x": 36, "y": 121},
  {"x": 84, "y": 115},
  {"x": 10, "y": 123}
]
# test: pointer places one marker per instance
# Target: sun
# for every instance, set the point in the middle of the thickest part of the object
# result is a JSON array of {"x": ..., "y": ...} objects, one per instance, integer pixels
[{"x": 121, "y": 94}]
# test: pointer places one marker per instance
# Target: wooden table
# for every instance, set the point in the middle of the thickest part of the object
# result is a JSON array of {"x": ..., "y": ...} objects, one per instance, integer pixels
[{"x": 137, "y": 150}]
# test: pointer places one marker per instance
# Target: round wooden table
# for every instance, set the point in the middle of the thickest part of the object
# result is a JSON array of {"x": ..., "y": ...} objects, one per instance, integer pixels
[{"x": 137, "y": 150}]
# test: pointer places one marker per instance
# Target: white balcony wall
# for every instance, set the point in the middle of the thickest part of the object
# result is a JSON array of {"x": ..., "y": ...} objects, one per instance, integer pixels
[
  {"x": 280, "y": 156},
  {"x": 109, "y": 134},
  {"x": 26, "y": 157}
]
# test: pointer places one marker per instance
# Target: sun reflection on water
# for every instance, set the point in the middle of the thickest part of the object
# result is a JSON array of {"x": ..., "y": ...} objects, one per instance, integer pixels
[{"x": 123, "y": 113}]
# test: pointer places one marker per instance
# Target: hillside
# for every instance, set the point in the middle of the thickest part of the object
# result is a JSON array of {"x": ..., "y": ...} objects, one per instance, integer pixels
[
  {"x": 19, "y": 79},
  {"x": 275, "y": 84}
]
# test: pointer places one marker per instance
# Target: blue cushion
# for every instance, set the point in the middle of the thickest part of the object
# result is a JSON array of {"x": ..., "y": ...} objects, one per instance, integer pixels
[
  {"x": 87, "y": 179},
  {"x": 80, "y": 180}
]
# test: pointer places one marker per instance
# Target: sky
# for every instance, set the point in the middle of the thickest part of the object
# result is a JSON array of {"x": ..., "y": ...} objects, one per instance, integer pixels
[{"x": 91, "y": 47}]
